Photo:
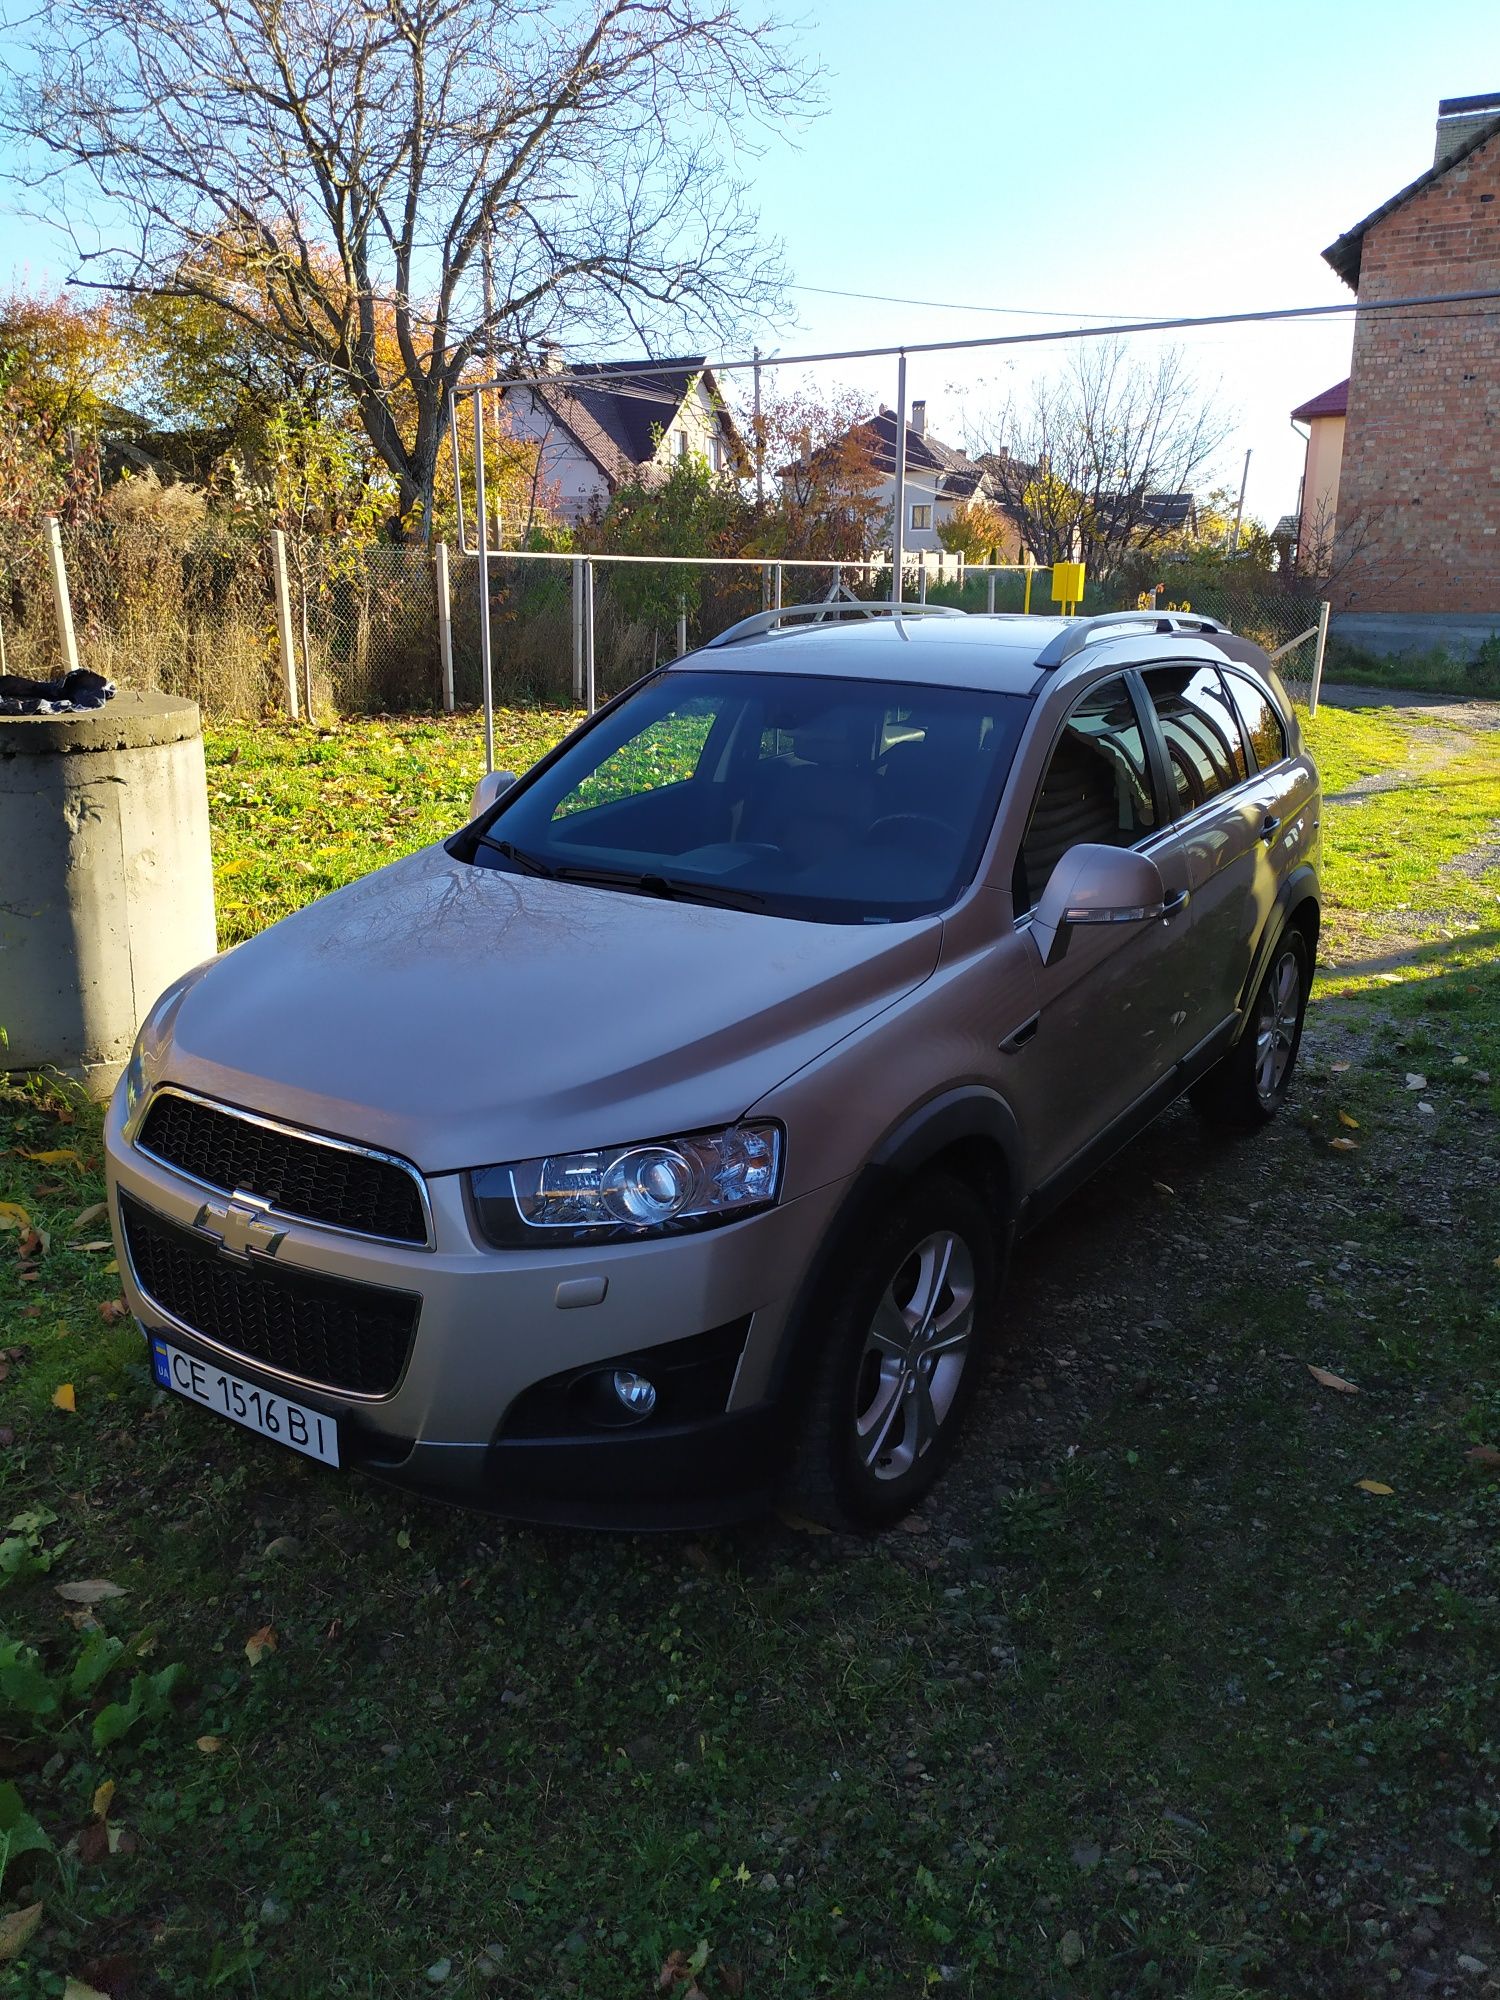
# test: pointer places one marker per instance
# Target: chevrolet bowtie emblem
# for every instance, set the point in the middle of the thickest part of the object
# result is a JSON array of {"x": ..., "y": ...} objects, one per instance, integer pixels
[{"x": 240, "y": 1229}]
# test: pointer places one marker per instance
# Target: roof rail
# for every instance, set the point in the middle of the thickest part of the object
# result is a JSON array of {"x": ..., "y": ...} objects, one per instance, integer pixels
[
  {"x": 815, "y": 614},
  {"x": 1081, "y": 632}
]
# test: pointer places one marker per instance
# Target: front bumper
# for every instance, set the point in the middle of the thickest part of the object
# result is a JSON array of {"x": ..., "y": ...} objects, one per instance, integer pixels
[{"x": 491, "y": 1327}]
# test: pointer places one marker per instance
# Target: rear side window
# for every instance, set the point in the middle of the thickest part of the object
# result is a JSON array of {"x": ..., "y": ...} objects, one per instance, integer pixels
[
  {"x": 1205, "y": 752},
  {"x": 1263, "y": 726},
  {"x": 1097, "y": 787}
]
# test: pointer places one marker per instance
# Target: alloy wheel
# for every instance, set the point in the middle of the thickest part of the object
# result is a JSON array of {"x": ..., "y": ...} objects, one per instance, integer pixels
[
  {"x": 1276, "y": 1026},
  {"x": 914, "y": 1355}
]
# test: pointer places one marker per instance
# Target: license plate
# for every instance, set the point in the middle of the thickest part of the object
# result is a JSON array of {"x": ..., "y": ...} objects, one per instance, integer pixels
[{"x": 307, "y": 1431}]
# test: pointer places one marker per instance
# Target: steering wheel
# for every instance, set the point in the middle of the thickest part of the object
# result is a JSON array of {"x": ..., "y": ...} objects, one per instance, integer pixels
[{"x": 928, "y": 822}]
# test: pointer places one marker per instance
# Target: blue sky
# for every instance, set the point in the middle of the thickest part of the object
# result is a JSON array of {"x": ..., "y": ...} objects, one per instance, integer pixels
[{"x": 1154, "y": 158}]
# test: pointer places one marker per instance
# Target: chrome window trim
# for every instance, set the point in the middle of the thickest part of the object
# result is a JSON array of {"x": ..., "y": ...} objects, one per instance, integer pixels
[
  {"x": 237, "y": 1355},
  {"x": 292, "y": 1132}
]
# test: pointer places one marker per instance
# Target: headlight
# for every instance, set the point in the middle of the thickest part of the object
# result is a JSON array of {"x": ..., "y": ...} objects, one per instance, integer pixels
[
  {"x": 620, "y": 1192},
  {"x": 135, "y": 1078}
]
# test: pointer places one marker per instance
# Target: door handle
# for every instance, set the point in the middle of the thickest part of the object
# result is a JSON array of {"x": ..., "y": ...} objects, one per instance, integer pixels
[
  {"x": 1019, "y": 1037},
  {"x": 1269, "y": 825},
  {"x": 1174, "y": 905}
]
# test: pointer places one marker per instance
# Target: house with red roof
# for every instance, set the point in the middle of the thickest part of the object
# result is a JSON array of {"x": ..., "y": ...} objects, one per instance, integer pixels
[
  {"x": 602, "y": 425},
  {"x": 1318, "y": 501},
  {"x": 1417, "y": 496}
]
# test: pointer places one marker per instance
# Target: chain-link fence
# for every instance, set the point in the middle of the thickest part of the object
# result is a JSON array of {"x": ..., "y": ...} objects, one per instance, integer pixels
[{"x": 197, "y": 614}]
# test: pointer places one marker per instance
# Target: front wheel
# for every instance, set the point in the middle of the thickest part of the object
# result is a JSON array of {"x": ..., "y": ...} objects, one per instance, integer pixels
[
  {"x": 912, "y": 1307},
  {"x": 1249, "y": 1085}
]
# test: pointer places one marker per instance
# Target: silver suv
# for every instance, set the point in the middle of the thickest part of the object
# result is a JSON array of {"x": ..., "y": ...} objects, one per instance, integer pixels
[{"x": 656, "y": 1143}]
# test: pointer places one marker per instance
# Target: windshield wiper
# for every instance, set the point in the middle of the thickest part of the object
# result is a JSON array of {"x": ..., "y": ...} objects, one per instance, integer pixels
[
  {"x": 531, "y": 863},
  {"x": 670, "y": 888}
]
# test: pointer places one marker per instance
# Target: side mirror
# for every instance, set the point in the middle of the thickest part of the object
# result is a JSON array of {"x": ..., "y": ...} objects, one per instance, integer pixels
[
  {"x": 1094, "y": 884},
  {"x": 489, "y": 788}
]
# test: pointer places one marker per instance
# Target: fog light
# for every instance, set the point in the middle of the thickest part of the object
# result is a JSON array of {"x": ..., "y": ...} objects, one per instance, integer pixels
[{"x": 635, "y": 1393}]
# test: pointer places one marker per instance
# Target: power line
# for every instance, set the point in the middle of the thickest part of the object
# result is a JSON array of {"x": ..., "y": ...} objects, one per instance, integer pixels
[
  {"x": 1114, "y": 328},
  {"x": 954, "y": 305}
]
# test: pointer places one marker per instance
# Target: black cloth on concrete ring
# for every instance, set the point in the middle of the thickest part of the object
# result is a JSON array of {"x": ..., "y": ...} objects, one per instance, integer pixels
[{"x": 77, "y": 690}]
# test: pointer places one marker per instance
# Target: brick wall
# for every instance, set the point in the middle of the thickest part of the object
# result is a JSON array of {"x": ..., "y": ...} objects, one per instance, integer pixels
[{"x": 1419, "y": 494}]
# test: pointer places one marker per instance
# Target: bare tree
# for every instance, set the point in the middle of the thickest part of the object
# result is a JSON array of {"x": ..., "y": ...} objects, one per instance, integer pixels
[
  {"x": 337, "y": 169},
  {"x": 1076, "y": 466}
]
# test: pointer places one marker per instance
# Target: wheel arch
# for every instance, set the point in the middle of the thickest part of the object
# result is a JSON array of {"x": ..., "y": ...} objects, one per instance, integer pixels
[{"x": 1298, "y": 906}]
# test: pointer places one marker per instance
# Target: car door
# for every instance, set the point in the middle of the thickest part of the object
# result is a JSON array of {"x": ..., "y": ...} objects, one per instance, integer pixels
[
  {"x": 1111, "y": 1019},
  {"x": 1226, "y": 819}
]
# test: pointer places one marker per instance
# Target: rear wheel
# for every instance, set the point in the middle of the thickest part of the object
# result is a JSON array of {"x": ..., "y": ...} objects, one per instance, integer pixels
[
  {"x": 1249, "y": 1085},
  {"x": 911, "y": 1310}
]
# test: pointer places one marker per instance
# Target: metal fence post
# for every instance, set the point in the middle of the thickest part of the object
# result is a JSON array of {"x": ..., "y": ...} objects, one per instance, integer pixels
[
  {"x": 60, "y": 599},
  {"x": 445, "y": 624},
  {"x": 284, "y": 621},
  {"x": 485, "y": 673},
  {"x": 1318, "y": 651},
  {"x": 589, "y": 692},
  {"x": 681, "y": 627},
  {"x": 577, "y": 632},
  {"x": 922, "y": 582},
  {"x": 776, "y": 586},
  {"x": 990, "y": 580}
]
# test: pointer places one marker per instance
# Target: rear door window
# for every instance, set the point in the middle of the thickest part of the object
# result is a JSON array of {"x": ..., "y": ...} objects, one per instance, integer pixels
[
  {"x": 1263, "y": 726},
  {"x": 1200, "y": 729}
]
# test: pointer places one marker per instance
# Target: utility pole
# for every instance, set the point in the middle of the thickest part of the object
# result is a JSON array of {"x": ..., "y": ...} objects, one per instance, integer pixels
[
  {"x": 760, "y": 445},
  {"x": 1239, "y": 512}
]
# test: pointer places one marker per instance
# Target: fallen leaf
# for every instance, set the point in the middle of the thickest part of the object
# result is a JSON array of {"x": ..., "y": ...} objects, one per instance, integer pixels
[
  {"x": 1462, "y": 1061},
  {"x": 1070, "y": 1951},
  {"x": 16, "y": 1928},
  {"x": 60, "y": 1156},
  {"x": 1373, "y": 1486},
  {"x": 93, "y": 1843},
  {"x": 1337, "y": 1069},
  {"x": 103, "y": 1798},
  {"x": 210, "y": 1745},
  {"x": 113, "y": 1310},
  {"x": 259, "y": 1644},
  {"x": 99, "y": 1243},
  {"x": 111, "y": 1269},
  {"x": 63, "y": 1398},
  {"x": 913, "y": 1524},
  {"x": 1344, "y": 1145},
  {"x": 800, "y": 1523},
  {"x": 1162, "y": 1188},
  {"x": 87, "y": 1215},
  {"x": 13, "y": 1216},
  {"x": 94, "y": 1590},
  {"x": 1333, "y": 1381},
  {"x": 76, "y": 1990},
  {"x": 1484, "y": 1457},
  {"x": 1345, "y": 1119}
]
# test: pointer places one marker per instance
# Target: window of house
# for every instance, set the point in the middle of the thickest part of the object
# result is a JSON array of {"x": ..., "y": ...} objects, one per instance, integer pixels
[
  {"x": 1201, "y": 729},
  {"x": 1263, "y": 725},
  {"x": 681, "y": 440},
  {"x": 1097, "y": 787},
  {"x": 921, "y": 517}
]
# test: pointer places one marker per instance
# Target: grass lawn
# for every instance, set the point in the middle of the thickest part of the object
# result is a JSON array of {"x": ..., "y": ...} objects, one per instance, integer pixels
[{"x": 1186, "y": 1682}]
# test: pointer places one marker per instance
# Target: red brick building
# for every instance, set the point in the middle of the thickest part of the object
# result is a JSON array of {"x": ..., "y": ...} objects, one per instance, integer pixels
[{"x": 1418, "y": 527}]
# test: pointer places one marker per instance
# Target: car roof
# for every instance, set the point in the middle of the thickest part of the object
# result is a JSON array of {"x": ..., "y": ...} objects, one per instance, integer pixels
[{"x": 994, "y": 651}]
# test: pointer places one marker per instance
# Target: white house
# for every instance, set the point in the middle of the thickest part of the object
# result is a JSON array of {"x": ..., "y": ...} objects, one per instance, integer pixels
[{"x": 609, "y": 423}]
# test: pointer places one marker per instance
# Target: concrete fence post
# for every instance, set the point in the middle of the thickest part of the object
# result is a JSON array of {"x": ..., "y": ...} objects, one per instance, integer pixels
[
  {"x": 682, "y": 644},
  {"x": 62, "y": 603},
  {"x": 1317, "y": 673},
  {"x": 284, "y": 621},
  {"x": 990, "y": 595},
  {"x": 444, "y": 622}
]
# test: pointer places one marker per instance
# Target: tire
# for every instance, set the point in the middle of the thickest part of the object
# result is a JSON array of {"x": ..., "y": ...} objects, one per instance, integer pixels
[
  {"x": 1248, "y": 1085},
  {"x": 907, "y": 1314}
]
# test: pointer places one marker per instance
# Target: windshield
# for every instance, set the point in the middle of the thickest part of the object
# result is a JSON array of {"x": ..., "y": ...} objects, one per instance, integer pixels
[{"x": 838, "y": 800}]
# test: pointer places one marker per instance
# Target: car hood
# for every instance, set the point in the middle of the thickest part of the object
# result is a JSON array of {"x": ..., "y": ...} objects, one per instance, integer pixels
[{"x": 461, "y": 1016}]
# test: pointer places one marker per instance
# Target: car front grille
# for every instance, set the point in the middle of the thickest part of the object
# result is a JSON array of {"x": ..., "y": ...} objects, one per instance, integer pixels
[
  {"x": 324, "y": 1331},
  {"x": 326, "y": 1181}
]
